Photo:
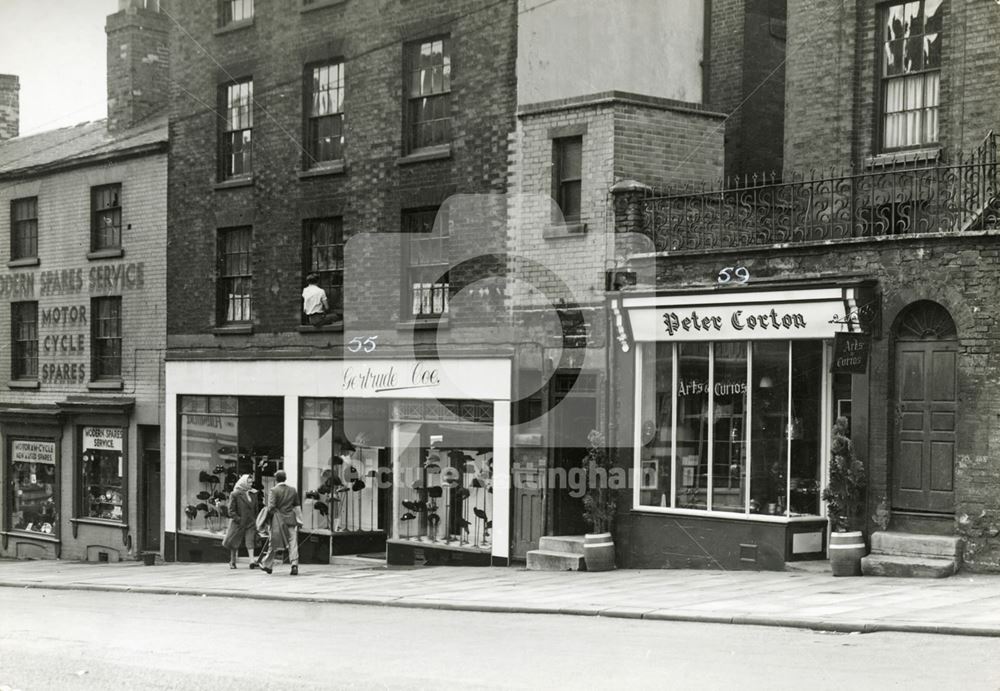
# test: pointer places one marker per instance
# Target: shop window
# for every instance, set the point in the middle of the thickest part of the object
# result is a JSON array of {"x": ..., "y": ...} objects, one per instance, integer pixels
[
  {"x": 324, "y": 256},
  {"x": 32, "y": 479},
  {"x": 325, "y": 113},
  {"x": 444, "y": 464},
  {"x": 343, "y": 485},
  {"x": 102, "y": 473},
  {"x": 910, "y": 57},
  {"x": 427, "y": 255},
  {"x": 428, "y": 88},
  {"x": 24, "y": 340},
  {"x": 222, "y": 438},
  {"x": 235, "y": 282},
  {"x": 106, "y": 338},
  {"x": 234, "y": 11},
  {"x": 24, "y": 228},
  {"x": 732, "y": 427},
  {"x": 567, "y": 170},
  {"x": 236, "y": 138},
  {"x": 106, "y": 215}
]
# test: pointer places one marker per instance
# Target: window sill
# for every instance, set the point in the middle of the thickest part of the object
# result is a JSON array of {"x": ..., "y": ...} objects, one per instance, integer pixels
[
  {"x": 329, "y": 168},
  {"x": 329, "y": 328},
  {"x": 320, "y": 5},
  {"x": 106, "y": 254},
  {"x": 897, "y": 157},
  {"x": 233, "y": 330},
  {"x": 101, "y": 523},
  {"x": 26, "y": 261},
  {"x": 23, "y": 384},
  {"x": 234, "y": 26},
  {"x": 558, "y": 231},
  {"x": 423, "y": 324},
  {"x": 31, "y": 535},
  {"x": 430, "y": 153},
  {"x": 106, "y": 385},
  {"x": 234, "y": 183}
]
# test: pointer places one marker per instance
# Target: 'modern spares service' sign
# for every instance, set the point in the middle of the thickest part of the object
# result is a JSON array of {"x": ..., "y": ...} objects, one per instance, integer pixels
[{"x": 850, "y": 353}]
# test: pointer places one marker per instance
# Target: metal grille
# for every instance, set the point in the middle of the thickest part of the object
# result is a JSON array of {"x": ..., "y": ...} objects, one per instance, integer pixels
[
  {"x": 428, "y": 262},
  {"x": 446, "y": 410}
]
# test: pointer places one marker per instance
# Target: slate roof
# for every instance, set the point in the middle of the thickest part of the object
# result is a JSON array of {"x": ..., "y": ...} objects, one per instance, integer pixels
[{"x": 88, "y": 141}]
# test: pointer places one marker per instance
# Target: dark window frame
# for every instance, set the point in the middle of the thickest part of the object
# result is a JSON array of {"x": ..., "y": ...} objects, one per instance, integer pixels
[
  {"x": 567, "y": 178},
  {"x": 24, "y": 228},
  {"x": 106, "y": 338},
  {"x": 236, "y": 130},
  {"x": 229, "y": 9},
  {"x": 428, "y": 106},
  {"x": 426, "y": 286},
  {"x": 235, "y": 271},
  {"x": 327, "y": 125},
  {"x": 24, "y": 341},
  {"x": 924, "y": 73},
  {"x": 330, "y": 271},
  {"x": 106, "y": 217}
]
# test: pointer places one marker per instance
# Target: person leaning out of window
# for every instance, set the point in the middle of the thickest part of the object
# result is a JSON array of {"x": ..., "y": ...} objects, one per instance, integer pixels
[{"x": 315, "y": 304}]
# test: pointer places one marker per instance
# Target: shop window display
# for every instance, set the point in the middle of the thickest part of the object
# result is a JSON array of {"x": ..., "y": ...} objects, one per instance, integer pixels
[
  {"x": 32, "y": 478},
  {"x": 443, "y": 460},
  {"x": 222, "y": 438},
  {"x": 102, "y": 479},
  {"x": 732, "y": 427}
]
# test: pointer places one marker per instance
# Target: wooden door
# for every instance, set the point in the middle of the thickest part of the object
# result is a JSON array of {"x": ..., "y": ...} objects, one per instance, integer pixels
[
  {"x": 149, "y": 445},
  {"x": 926, "y": 418},
  {"x": 529, "y": 505}
]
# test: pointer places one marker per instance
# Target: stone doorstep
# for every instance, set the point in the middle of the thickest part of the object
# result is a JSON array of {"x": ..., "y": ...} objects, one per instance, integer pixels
[
  {"x": 570, "y": 544},
  {"x": 544, "y": 560},
  {"x": 901, "y": 566},
  {"x": 914, "y": 544}
]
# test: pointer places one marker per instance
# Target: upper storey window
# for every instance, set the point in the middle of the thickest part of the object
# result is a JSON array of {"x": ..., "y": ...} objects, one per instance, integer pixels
[
  {"x": 428, "y": 88},
  {"x": 234, "y": 11},
  {"x": 237, "y": 134},
  {"x": 910, "y": 38}
]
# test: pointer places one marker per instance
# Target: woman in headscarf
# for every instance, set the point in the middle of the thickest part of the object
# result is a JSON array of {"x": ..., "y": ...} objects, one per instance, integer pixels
[{"x": 243, "y": 513}]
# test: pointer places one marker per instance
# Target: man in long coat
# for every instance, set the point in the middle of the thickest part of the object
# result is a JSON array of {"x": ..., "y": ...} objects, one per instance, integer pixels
[{"x": 284, "y": 508}]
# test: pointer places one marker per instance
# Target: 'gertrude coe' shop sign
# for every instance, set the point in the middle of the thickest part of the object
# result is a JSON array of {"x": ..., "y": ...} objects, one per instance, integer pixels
[
  {"x": 850, "y": 353},
  {"x": 735, "y": 322}
]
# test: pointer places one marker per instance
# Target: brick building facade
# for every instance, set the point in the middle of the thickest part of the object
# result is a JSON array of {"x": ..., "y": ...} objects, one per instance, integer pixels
[{"x": 81, "y": 310}]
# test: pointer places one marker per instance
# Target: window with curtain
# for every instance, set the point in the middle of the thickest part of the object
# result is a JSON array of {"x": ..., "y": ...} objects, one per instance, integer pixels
[
  {"x": 325, "y": 123},
  {"x": 427, "y": 245},
  {"x": 235, "y": 284},
  {"x": 428, "y": 88},
  {"x": 910, "y": 40},
  {"x": 237, "y": 130}
]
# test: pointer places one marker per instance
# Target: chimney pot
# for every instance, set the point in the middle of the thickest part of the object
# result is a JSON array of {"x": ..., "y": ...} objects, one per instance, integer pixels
[{"x": 10, "y": 106}]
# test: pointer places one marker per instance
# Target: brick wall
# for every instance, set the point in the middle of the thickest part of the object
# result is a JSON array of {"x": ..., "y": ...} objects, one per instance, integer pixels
[
  {"x": 376, "y": 184},
  {"x": 10, "y": 110},
  {"x": 137, "y": 66}
]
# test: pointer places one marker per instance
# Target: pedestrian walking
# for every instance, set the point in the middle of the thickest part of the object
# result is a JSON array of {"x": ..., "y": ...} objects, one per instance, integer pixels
[
  {"x": 285, "y": 511},
  {"x": 242, "y": 514}
]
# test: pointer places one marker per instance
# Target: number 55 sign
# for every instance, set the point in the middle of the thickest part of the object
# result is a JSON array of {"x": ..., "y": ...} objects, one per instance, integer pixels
[{"x": 357, "y": 344}]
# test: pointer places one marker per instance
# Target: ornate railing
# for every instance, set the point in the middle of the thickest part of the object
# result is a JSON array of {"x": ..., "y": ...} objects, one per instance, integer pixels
[{"x": 914, "y": 198}]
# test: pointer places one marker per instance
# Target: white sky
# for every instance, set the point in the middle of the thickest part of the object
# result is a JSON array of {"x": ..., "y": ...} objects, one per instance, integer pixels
[{"x": 57, "y": 48}]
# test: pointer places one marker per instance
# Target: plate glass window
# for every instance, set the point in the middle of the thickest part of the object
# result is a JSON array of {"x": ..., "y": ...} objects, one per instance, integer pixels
[
  {"x": 106, "y": 339},
  {"x": 232, "y": 11},
  {"x": 325, "y": 135},
  {"x": 237, "y": 134},
  {"x": 568, "y": 167},
  {"x": 24, "y": 228},
  {"x": 31, "y": 473},
  {"x": 107, "y": 217},
  {"x": 24, "y": 340},
  {"x": 324, "y": 243},
  {"x": 910, "y": 39},
  {"x": 235, "y": 288},
  {"x": 429, "y": 93},
  {"x": 102, "y": 473},
  {"x": 427, "y": 234}
]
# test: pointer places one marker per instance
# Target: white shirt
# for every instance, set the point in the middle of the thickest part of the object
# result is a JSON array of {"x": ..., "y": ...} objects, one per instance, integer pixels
[{"x": 313, "y": 299}]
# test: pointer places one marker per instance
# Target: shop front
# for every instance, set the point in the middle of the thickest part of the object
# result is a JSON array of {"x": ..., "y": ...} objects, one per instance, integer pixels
[
  {"x": 730, "y": 400},
  {"x": 407, "y": 458}
]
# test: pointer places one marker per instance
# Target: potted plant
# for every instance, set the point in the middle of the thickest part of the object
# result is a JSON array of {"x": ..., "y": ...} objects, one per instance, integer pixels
[
  {"x": 845, "y": 499},
  {"x": 598, "y": 506}
]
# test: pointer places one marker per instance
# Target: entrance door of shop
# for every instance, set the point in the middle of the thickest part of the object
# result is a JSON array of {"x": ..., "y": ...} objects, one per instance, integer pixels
[
  {"x": 926, "y": 413},
  {"x": 529, "y": 505},
  {"x": 149, "y": 445},
  {"x": 572, "y": 415}
]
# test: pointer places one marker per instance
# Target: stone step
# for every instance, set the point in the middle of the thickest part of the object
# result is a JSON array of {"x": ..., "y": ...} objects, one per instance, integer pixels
[
  {"x": 915, "y": 544},
  {"x": 544, "y": 560},
  {"x": 900, "y": 566},
  {"x": 572, "y": 544}
]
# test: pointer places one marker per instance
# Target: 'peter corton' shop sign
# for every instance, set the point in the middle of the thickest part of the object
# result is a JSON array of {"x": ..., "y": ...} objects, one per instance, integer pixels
[{"x": 850, "y": 353}]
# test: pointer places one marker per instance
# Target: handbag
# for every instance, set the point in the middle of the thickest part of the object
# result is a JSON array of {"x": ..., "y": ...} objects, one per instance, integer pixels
[{"x": 263, "y": 519}]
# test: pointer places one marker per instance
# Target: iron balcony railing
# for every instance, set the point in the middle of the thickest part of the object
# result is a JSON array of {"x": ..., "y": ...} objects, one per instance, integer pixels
[{"x": 909, "y": 199}]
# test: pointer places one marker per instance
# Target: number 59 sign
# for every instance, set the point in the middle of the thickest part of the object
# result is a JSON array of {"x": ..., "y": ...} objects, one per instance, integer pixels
[{"x": 740, "y": 274}]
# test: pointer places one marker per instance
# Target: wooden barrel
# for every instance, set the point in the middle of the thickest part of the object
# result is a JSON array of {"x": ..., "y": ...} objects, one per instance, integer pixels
[
  {"x": 599, "y": 552},
  {"x": 846, "y": 550}
]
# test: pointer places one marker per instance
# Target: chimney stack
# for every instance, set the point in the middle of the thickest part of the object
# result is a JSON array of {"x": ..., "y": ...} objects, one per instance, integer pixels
[
  {"x": 10, "y": 106},
  {"x": 138, "y": 63}
]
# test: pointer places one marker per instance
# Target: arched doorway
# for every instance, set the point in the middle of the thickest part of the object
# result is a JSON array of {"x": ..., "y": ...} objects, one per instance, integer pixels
[{"x": 926, "y": 406}]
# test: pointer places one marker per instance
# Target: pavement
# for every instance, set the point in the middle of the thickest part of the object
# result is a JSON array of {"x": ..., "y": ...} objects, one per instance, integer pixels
[{"x": 808, "y": 597}]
